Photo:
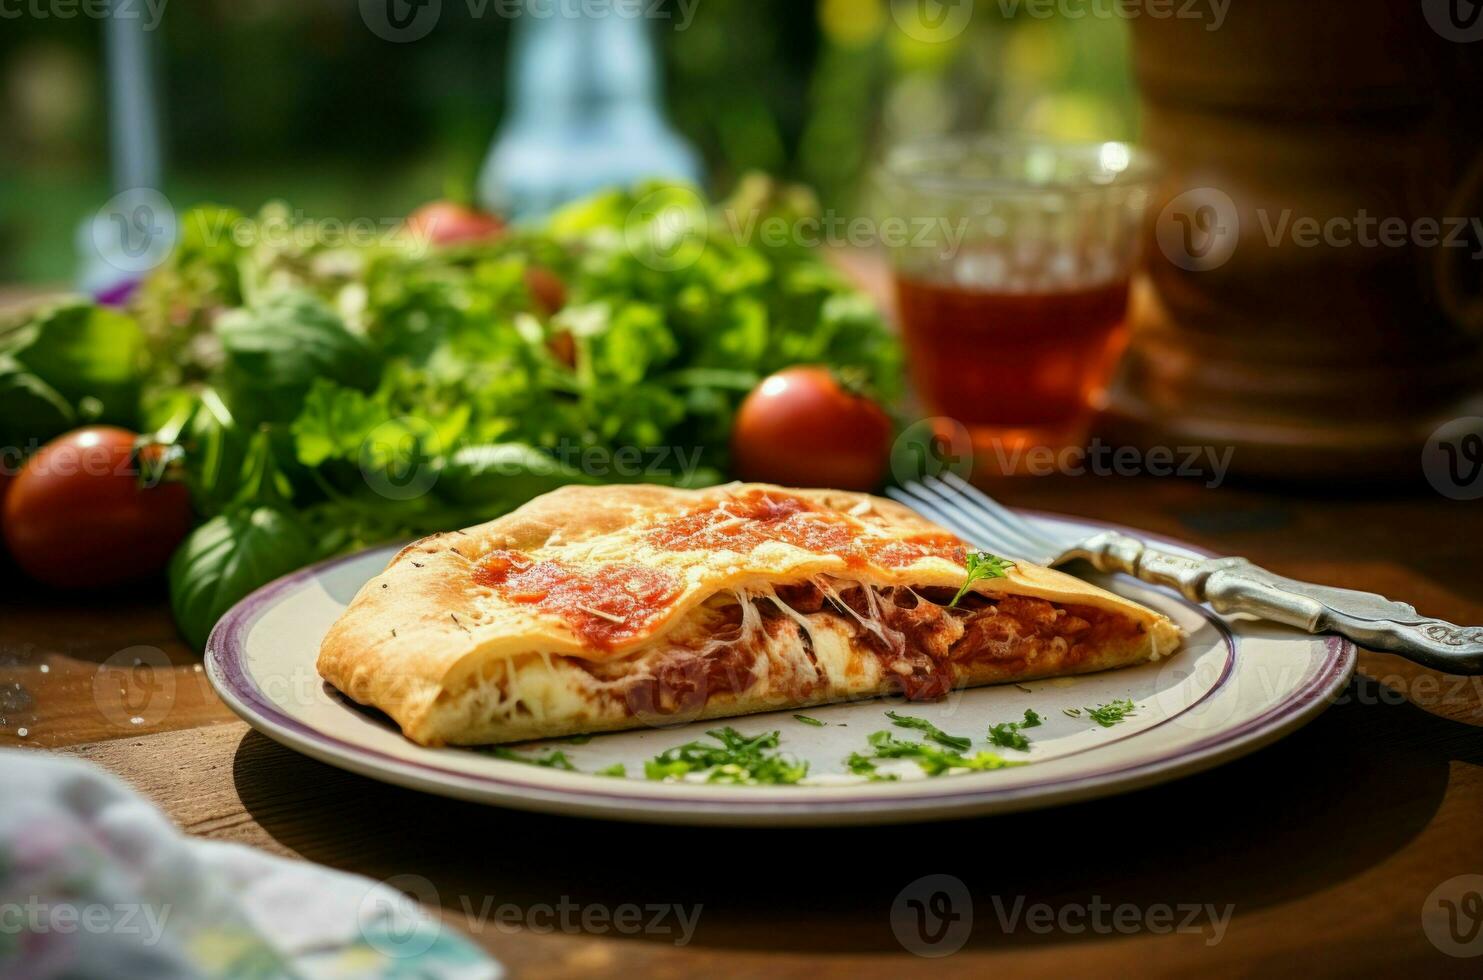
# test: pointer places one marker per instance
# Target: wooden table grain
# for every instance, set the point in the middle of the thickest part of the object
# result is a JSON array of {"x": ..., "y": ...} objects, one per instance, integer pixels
[{"x": 1325, "y": 847}]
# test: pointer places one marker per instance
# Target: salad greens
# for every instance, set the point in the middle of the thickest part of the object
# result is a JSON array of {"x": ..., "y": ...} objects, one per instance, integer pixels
[
  {"x": 69, "y": 364},
  {"x": 320, "y": 397}
]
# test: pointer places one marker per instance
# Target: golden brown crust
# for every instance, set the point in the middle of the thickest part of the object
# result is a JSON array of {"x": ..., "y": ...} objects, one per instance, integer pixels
[{"x": 425, "y": 630}]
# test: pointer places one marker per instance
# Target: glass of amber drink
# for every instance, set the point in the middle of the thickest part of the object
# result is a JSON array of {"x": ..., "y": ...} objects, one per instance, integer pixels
[{"x": 1013, "y": 293}]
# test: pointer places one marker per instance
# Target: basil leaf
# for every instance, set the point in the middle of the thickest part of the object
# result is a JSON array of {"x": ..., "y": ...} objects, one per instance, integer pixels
[
  {"x": 229, "y": 557},
  {"x": 30, "y": 411},
  {"x": 277, "y": 350},
  {"x": 506, "y": 475},
  {"x": 213, "y": 447},
  {"x": 89, "y": 352}
]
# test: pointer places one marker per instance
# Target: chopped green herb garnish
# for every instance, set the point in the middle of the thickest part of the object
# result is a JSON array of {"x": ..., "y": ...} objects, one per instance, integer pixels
[
  {"x": 738, "y": 758},
  {"x": 1010, "y": 735},
  {"x": 932, "y": 731},
  {"x": 981, "y": 565},
  {"x": 862, "y": 765},
  {"x": 617, "y": 770},
  {"x": 933, "y": 760},
  {"x": 809, "y": 721},
  {"x": 555, "y": 760},
  {"x": 1110, "y": 714},
  {"x": 1071, "y": 712}
]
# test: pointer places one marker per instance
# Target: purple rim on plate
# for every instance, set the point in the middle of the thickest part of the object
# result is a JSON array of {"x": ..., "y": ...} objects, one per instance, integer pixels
[{"x": 226, "y": 651}]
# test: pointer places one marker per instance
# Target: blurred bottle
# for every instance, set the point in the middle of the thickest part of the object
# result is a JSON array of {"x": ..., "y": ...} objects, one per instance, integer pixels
[
  {"x": 584, "y": 114},
  {"x": 133, "y": 231}
]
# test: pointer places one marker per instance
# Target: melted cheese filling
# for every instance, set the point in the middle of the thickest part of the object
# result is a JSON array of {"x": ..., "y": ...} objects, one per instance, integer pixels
[{"x": 752, "y": 644}]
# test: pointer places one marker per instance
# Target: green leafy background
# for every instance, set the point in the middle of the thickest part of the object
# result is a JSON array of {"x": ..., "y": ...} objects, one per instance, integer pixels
[{"x": 318, "y": 398}]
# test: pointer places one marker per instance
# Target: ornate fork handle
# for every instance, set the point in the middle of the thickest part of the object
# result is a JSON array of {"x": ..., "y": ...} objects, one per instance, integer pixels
[{"x": 1235, "y": 585}]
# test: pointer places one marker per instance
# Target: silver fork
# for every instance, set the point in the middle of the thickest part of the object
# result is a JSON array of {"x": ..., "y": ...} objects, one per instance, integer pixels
[{"x": 1230, "y": 585}]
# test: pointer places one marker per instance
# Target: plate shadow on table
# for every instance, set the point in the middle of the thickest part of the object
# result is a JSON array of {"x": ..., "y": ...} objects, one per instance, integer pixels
[{"x": 1333, "y": 799}]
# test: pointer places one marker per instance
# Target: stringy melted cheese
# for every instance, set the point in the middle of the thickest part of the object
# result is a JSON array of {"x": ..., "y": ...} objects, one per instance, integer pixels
[
  {"x": 751, "y": 643},
  {"x": 783, "y": 656}
]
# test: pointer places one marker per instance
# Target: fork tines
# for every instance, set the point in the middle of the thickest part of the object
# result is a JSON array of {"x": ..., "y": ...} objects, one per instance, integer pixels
[{"x": 976, "y": 517}]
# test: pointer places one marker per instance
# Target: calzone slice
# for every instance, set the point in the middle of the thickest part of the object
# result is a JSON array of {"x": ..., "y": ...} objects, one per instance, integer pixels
[{"x": 595, "y": 609}]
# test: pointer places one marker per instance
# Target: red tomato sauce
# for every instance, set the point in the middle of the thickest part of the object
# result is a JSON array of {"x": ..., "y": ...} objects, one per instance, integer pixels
[
  {"x": 605, "y": 605},
  {"x": 744, "y": 523},
  {"x": 900, "y": 552}
]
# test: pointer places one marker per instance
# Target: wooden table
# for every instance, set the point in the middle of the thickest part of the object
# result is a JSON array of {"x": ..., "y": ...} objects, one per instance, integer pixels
[{"x": 1326, "y": 844}]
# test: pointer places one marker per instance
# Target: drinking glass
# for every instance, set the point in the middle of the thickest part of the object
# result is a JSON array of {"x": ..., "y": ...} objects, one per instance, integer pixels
[{"x": 1013, "y": 286}]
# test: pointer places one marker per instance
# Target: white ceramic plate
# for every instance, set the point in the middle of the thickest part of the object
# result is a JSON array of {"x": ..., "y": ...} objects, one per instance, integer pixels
[{"x": 1235, "y": 686}]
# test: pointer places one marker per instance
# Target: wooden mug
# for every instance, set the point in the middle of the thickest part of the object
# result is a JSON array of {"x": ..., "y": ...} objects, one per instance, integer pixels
[{"x": 1313, "y": 294}]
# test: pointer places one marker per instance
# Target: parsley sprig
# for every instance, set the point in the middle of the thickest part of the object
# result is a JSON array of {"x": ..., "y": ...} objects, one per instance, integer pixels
[
  {"x": 955, "y": 742},
  {"x": 1010, "y": 735},
  {"x": 740, "y": 759},
  {"x": 981, "y": 565}
]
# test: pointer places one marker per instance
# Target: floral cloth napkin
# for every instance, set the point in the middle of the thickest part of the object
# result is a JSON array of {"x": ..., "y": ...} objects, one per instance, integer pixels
[{"x": 96, "y": 882}]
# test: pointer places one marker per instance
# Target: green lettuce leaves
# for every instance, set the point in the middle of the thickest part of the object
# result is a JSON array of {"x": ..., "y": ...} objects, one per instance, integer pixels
[{"x": 317, "y": 397}]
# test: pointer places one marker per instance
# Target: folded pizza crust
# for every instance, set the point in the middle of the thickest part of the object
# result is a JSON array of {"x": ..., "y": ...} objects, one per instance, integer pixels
[{"x": 605, "y": 608}]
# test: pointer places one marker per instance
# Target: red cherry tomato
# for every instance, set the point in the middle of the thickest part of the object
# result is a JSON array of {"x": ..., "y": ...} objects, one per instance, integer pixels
[
  {"x": 447, "y": 223},
  {"x": 78, "y": 516},
  {"x": 563, "y": 346},
  {"x": 546, "y": 290},
  {"x": 802, "y": 428},
  {"x": 548, "y": 293},
  {"x": 6, "y": 478}
]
